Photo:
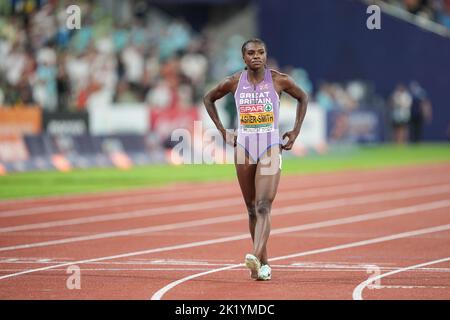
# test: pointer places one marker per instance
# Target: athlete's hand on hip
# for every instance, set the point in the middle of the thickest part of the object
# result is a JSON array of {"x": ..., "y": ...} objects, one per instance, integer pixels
[
  {"x": 224, "y": 135},
  {"x": 230, "y": 137},
  {"x": 291, "y": 135}
]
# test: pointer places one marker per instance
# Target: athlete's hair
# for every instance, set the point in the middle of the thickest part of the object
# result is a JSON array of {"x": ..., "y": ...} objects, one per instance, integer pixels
[{"x": 254, "y": 40}]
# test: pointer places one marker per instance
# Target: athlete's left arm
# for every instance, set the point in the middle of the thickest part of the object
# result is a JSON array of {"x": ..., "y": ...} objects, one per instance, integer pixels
[{"x": 288, "y": 85}]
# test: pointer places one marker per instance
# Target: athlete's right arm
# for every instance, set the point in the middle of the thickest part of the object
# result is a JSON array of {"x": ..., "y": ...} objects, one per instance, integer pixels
[{"x": 224, "y": 87}]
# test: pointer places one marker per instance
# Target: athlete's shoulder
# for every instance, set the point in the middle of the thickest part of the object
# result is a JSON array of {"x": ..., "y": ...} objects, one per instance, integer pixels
[
  {"x": 235, "y": 76},
  {"x": 277, "y": 75},
  {"x": 230, "y": 82},
  {"x": 283, "y": 79}
]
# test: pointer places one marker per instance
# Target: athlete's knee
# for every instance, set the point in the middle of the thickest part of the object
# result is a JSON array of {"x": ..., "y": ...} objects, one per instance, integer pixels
[
  {"x": 263, "y": 206},
  {"x": 251, "y": 209},
  {"x": 251, "y": 213}
]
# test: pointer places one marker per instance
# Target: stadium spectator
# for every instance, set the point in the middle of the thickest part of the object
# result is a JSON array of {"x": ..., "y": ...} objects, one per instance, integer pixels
[
  {"x": 324, "y": 96},
  {"x": 194, "y": 64},
  {"x": 45, "y": 89},
  {"x": 124, "y": 94},
  {"x": 443, "y": 12},
  {"x": 160, "y": 96},
  {"x": 400, "y": 103},
  {"x": 420, "y": 111},
  {"x": 419, "y": 7},
  {"x": 63, "y": 86},
  {"x": 133, "y": 60},
  {"x": 433, "y": 10},
  {"x": 339, "y": 96},
  {"x": 301, "y": 77}
]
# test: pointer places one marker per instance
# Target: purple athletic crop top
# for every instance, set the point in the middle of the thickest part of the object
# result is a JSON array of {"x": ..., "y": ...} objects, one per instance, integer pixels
[{"x": 258, "y": 109}]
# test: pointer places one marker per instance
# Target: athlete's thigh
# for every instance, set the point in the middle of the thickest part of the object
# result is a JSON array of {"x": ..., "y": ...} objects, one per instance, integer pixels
[
  {"x": 246, "y": 171},
  {"x": 268, "y": 173}
]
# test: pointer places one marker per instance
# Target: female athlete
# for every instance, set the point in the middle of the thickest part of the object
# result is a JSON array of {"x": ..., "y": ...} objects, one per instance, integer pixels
[{"x": 257, "y": 144}]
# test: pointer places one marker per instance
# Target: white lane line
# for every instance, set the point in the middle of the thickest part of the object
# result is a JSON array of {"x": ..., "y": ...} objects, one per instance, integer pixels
[
  {"x": 357, "y": 292},
  {"x": 105, "y": 195},
  {"x": 105, "y": 199},
  {"x": 154, "y": 191},
  {"x": 139, "y": 199},
  {"x": 107, "y": 203},
  {"x": 412, "y": 193},
  {"x": 328, "y": 223},
  {"x": 204, "y": 205},
  {"x": 124, "y": 269},
  {"x": 332, "y": 267},
  {"x": 335, "y": 190},
  {"x": 183, "y": 269},
  {"x": 161, "y": 292},
  {"x": 405, "y": 286}
]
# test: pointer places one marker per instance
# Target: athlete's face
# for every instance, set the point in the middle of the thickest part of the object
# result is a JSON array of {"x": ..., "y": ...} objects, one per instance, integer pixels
[{"x": 255, "y": 55}]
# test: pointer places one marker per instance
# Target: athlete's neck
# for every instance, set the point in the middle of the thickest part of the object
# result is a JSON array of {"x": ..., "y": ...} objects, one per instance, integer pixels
[{"x": 255, "y": 76}]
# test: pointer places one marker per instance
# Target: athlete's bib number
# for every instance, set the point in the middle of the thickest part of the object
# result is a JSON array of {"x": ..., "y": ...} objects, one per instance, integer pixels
[{"x": 256, "y": 122}]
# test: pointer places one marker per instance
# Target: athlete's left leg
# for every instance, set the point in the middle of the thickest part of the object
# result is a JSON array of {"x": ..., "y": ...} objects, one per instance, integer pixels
[{"x": 266, "y": 185}]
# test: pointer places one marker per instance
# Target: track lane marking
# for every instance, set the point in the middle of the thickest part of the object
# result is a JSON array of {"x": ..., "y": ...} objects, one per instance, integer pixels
[
  {"x": 415, "y": 192},
  {"x": 161, "y": 292},
  {"x": 327, "y": 223},
  {"x": 357, "y": 292},
  {"x": 334, "y": 189},
  {"x": 331, "y": 176},
  {"x": 107, "y": 203}
]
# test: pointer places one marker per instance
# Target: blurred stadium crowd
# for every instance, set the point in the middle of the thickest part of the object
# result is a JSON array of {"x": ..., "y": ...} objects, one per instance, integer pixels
[
  {"x": 435, "y": 10},
  {"x": 155, "y": 58},
  {"x": 44, "y": 63}
]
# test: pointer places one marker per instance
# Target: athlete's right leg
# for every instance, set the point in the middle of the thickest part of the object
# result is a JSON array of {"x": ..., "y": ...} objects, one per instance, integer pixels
[{"x": 246, "y": 169}]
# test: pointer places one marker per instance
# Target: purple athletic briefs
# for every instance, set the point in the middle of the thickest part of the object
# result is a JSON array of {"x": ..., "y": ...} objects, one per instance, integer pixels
[{"x": 257, "y": 107}]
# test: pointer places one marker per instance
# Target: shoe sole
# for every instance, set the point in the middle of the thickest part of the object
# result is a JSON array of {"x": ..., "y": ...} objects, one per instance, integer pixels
[
  {"x": 264, "y": 279},
  {"x": 252, "y": 263}
]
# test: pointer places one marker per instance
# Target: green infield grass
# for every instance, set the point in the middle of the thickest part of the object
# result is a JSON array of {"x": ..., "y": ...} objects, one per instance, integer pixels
[{"x": 35, "y": 184}]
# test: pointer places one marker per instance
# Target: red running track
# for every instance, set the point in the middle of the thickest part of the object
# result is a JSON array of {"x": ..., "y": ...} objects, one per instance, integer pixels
[{"x": 330, "y": 233}]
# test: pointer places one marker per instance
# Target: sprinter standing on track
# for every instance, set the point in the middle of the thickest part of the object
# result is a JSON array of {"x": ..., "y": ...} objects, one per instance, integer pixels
[{"x": 258, "y": 146}]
